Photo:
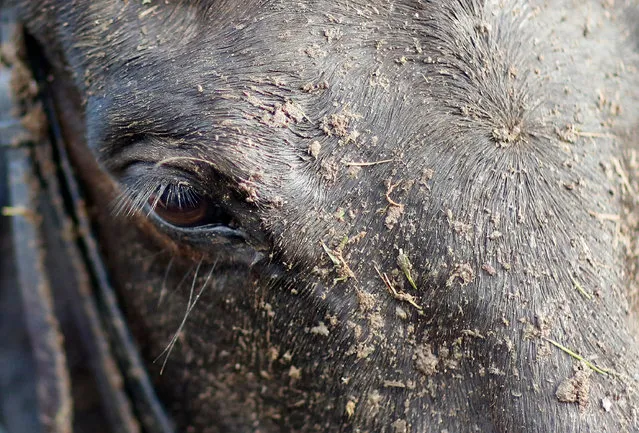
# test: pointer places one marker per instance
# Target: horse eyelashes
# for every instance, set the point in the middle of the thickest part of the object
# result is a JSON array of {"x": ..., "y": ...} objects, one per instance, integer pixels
[
  {"x": 135, "y": 196},
  {"x": 173, "y": 200}
]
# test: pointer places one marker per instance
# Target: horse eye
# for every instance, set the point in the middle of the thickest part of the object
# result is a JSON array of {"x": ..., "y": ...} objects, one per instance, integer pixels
[{"x": 181, "y": 206}]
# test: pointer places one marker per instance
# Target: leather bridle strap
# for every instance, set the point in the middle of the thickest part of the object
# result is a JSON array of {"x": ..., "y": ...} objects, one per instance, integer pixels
[{"x": 52, "y": 232}]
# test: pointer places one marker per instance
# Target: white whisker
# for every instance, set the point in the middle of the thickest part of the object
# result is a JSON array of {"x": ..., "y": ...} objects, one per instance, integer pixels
[
  {"x": 192, "y": 301},
  {"x": 163, "y": 290}
]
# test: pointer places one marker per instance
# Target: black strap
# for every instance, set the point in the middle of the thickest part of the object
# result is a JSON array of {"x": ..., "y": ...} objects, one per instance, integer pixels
[{"x": 55, "y": 196}]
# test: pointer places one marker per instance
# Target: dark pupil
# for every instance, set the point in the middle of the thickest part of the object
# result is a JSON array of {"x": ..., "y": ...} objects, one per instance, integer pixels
[{"x": 180, "y": 206}]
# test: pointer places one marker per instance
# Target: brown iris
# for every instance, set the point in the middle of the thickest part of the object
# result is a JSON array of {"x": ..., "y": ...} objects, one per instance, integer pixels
[{"x": 180, "y": 206}]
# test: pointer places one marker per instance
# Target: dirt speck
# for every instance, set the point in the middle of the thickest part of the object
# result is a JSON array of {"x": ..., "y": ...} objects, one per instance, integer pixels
[
  {"x": 393, "y": 215},
  {"x": 489, "y": 269},
  {"x": 425, "y": 361},
  {"x": 336, "y": 124},
  {"x": 505, "y": 136},
  {"x": 332, "y": 34},
  {"x": 567, "y": 134},
  {"x": 292, "y": 110},
  {"x": 376, "y": 321},
  {"x": 250, "y": 191},
  {"x": 366, "y": 301},
  {"x": 320, "y": 329},
  {"x": 427, "y": 175},
  {"x": 400, "y": 426},
  {"x": 350, "y": 408},
  {"x": 315, "y": 87},
  {"x": 314, "y": 149},
  {"x": 315, "y": 52},
  {"x": 458, "y": 226},
  {"x": 462, "y": 275},
  {"x": 295, "y": 373},
  {"x": 329, "y": 170},
  {"x": 483, "y": 28},
  {"x": 401, "y": 313},
  {"x": 364, "y": 350},
  {"x": 576, "y": 389},
  {"x": 353, "y": 171}
]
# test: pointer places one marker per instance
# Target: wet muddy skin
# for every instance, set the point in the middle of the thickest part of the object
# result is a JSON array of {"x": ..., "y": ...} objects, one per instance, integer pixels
[{"x": 364, "y": 216}]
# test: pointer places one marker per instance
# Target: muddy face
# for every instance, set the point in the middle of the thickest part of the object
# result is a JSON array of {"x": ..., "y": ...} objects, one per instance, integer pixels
[{"x": 366, "y": 217}]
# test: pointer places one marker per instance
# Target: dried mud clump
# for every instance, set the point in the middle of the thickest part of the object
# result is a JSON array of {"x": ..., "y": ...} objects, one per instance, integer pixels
[
  {"x": 576, "y": 389},
  {"x": 425, "y": 361},
  {"x": 462, "y": 275}
]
